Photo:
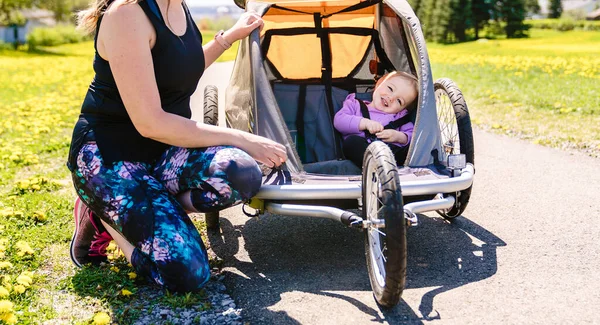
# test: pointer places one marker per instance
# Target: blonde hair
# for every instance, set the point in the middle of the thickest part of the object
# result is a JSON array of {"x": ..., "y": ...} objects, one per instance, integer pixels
[
  {"x": 401, "y": 74},
  {"x": 87, "y": 19}
]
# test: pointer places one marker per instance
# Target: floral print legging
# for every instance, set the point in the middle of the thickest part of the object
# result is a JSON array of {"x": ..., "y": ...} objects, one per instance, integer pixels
[{"x": 139, "y": 201}]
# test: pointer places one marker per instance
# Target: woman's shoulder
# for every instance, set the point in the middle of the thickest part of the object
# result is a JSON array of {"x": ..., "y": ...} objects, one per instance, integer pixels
[{"x": 124, "y": 11}]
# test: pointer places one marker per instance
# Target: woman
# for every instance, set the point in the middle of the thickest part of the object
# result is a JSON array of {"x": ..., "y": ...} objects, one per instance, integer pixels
[{"x": 138, "y": 162}]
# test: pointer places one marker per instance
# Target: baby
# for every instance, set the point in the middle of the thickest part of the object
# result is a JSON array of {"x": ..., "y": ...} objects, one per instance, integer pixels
[{"x": 385, "y": 118}]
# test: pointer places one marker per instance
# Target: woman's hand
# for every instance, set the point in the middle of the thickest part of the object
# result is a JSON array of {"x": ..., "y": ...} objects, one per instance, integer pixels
[
  {"x": 263, "y": 150},
  {"x": 248, "y": 22}
]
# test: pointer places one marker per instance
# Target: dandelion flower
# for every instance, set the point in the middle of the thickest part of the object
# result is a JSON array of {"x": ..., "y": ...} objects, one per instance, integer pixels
[
  {"x": 5, "y": 265},
  {"x": 115, "y": 269},
  {"x": 24, "y": 280},
  {"x": 101, "y": 319},
  {"x": 132, "y": 275},
  {"x": 28, "y": 273},
  {"x": 126, "y": 292},
  {"x": 19, "y": 288},
  {"x": 24, "y": 248},
  {"x": 8, "y": 318},
  {"x": 40, "y": 216},
  {"x": 5, "y": 306},
  {"x": 3, "y": 292}
]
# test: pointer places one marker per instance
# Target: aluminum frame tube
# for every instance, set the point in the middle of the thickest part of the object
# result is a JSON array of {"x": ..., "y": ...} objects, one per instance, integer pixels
[
  {"x": 298, "y": 210},
  {"x": 353, "y": 191},
  {"x": 430, "y": 205}
]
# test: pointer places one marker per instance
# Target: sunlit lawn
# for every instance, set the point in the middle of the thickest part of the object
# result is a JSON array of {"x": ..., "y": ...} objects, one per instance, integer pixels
[
  {"x": 40, "y": 98},
  {"x": 545, "y": 88}
]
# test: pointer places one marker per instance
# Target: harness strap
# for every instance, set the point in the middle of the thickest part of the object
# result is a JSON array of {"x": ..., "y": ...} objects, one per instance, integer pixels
[{"x": 300, "y": 143}]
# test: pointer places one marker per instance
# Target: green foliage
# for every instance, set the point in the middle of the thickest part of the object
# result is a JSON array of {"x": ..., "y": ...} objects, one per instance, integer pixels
[
  {"x": 52, "y": 36},
  {"x": 451, "y": 21},
  {"x": 556, "y": 9},
  {"x": 5, "y": 46},
  {"x": 532, "y": 6},
  {"x": 8, "y": 10},
  {"x": 565, "y": 24},
  {"x": 513, "y": 13}
]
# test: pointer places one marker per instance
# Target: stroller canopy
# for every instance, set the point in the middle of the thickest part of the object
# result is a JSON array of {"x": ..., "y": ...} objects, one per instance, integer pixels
[{"x": 329, "y": 42}]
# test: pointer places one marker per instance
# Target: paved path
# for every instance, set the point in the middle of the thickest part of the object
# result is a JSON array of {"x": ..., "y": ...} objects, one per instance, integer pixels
[{"x": 526, "y": 251}]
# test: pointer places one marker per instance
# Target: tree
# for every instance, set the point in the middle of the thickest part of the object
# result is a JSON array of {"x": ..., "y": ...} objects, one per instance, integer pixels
[
  {"x": 460, "y": 19},
  {"x": 440, "y": 18},
  {"x": 512, "y": 12},
  {"x": 9, "y": 8},
  {"x": 481, "y": 14},
  {"x": 556, "y": 8},
  {"x": 532, "y": 6}
]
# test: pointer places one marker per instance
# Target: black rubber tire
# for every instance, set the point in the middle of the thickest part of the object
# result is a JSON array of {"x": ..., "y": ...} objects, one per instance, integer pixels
[
  {"x": 455, "y": 122},
  {"x": 211, "y": 116},
  {"x": 212, "y": 220},
  {"x": 211, "y": 105},
  {"x": 381, "y": 175}
]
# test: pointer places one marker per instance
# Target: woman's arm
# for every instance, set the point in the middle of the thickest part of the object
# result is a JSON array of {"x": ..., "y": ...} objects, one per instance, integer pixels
[
  {"x": 248, "y": 22},
  {"x": 126, "y": 34}
]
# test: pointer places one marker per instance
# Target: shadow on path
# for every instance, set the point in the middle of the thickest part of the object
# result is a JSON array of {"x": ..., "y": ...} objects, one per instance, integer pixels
[{"x": 321, "y": 257}]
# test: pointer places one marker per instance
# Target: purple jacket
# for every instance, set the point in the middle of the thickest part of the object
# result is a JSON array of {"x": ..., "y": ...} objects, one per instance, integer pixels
[{"x": 347, "y": 119}]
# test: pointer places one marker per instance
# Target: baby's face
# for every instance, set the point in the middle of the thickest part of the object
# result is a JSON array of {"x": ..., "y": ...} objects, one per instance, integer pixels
[{"x": 394, "y": 94}]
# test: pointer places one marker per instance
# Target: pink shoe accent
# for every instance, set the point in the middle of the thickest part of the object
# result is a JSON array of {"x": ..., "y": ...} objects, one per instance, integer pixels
[{"x": 101, "y": 240}]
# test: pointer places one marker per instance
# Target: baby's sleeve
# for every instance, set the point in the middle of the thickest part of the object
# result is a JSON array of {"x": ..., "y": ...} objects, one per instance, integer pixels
[{"x": 347, "y": 119}]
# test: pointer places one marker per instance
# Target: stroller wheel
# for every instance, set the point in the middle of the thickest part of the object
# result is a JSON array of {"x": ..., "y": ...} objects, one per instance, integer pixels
[
  {"x": 211, "y": 105},
  {"x": 385, "y": 234},
  {"x": 457, "y": 134}
]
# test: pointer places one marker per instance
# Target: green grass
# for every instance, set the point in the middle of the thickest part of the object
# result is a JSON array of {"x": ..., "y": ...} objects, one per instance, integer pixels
[
  {"x": 544, "y": 89},
  {"x": 40, "y": 98}
]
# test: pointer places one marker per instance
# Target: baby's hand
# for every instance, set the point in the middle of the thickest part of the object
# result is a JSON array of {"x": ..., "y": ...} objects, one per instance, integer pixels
[
  {"x": 392, "y": 136},
  {"x": 370, "y": 125}
]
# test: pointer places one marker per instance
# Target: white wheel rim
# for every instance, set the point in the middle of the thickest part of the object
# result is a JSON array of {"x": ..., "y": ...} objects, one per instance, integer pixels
[
  {"x": 448, "y": 125},
  {"x": 372, "y": 207}
]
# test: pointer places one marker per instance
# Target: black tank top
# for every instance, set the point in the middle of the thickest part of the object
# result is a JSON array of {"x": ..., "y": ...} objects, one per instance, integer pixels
[{"x": 178, "y": 66}]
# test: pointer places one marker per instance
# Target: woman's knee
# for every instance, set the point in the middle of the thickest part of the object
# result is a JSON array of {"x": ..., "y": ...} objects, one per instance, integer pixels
[
  {"x": 242, "y": 172},
  {"x": 184, "y": 277}
]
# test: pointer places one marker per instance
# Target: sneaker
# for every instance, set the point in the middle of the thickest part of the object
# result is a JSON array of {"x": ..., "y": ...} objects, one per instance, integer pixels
[{"x": 90, "y": 239}]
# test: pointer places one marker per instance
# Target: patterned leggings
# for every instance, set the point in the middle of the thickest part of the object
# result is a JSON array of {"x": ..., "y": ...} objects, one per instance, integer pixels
[{"x": 138, "y": 200}]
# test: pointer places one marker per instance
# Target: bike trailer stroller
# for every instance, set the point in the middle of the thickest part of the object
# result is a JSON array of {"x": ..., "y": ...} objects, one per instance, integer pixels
[{"x": 289, "y": 80}]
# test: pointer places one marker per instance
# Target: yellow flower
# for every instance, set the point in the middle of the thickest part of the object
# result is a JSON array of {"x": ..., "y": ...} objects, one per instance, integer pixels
[
  {"x": 24, "y": 280},
  {"x": 111, "y": 247},
  {"x": 3, "y": 292},
  {"x": 28, "y": 273},
  {"x": 5, "y": 306},
  {"x": 101, "y": 319},
  {"x": 5, "y": 265},
  {"x": 39, "y": 216},
  {"x": 115, "y": 269},
  {"x": 8, "y": 318},
  {"x": 19, "y": 288},
  {"x": 24, "y": 248},
  {"x": 132, "y": 275},
  {"x": 126, "y": 292}
]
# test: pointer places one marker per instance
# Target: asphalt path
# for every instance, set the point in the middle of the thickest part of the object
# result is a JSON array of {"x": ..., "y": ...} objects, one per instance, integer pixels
[{"x": 526, "y": 250}]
